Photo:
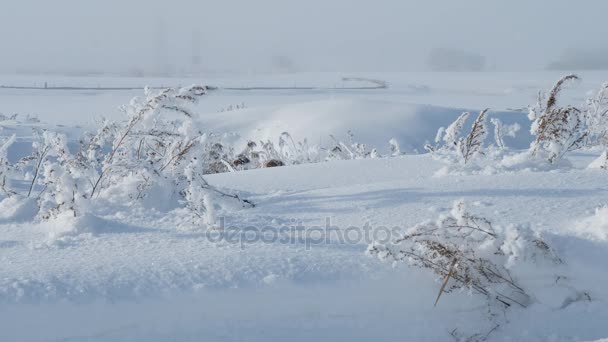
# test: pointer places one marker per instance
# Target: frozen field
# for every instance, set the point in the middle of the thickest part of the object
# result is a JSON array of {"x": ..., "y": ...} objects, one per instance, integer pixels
[{"x": 146, "y": 270}]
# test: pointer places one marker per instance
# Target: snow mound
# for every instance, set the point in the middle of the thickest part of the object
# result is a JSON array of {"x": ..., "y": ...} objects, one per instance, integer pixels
[
  {"x": 66, "y": 224},
  {"x": 596, "y": 226},
  {"x": 600, "y": 162},
  {"x": 18, "y": 209},
  {"x": 373, "y": 122}
]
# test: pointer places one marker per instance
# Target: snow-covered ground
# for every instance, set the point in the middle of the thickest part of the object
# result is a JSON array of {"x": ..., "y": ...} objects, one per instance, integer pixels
[{"x": 141, "y": 272}]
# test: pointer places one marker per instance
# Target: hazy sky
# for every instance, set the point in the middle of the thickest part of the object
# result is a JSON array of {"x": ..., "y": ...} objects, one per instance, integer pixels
[{"x": 353, "y": 35}]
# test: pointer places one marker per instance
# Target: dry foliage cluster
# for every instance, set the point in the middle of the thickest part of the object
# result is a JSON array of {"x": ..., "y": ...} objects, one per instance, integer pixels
[
  {"x": 158, "y": 145},
  {"x": 557, "y": 129},
  {"x": 468, "y": 253},
  {"x": 449, "y": 141}
]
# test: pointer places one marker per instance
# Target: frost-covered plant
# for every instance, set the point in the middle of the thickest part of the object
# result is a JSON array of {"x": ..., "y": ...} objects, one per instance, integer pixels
[
  {"x": 297, "y": 152},
  {"x": 395, "y": 147},
  {"x": 152, "y": 142},
  {"x": 216, "y": 155},
  {"x": 447, "y": 139},
  {"x": 268, "y": 154},
  {"x": 596, "y": 114},
  {"x": 468, "y": 252},
  {"x": 290, "y": 152},
  {"x": 344, "y": 151},
  {"x": 473, "y": 144},
  {"x": 450, "y": 144},
  {"x": 248, "y": 158},
  {"x": 231, "y": 108},
  {"x": 451, "y": 135},
  {"x": 7, "y": 118},
  {"x": 159, "y": 146},
  {"x": 5, "y": 166},
  {"x": 40, "y": 150},
  {"x": 501, "y": 130},
  {"x": 58, "y": 180},
  {"x": 62, "y": 178},
  {"x": 264, "y": 154},
  {"x": 557, "y": 129}
]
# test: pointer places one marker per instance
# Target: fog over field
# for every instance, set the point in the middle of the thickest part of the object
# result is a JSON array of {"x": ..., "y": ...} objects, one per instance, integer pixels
[{"x": 189, "y": 36}]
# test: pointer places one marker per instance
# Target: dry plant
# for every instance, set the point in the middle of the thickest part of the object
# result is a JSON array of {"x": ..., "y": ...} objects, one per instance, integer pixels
[
  {"x": 501, "y": 131},
  {"x": 473, "y": 143},
  {"x": 597, "y": 117},
  {"x": 5, "y": 166},
  {"x": 395, "y": 148},
  {"x": 148, "y": 140},
  {"x": 467, "y": 252},
  {"x": 447, "y": 139},
  {"x": 450, "y": 143},
  {"x": 451, "y": 135},
  {"x": 347, "y": 151},
  {"x": 159, "y": 145},
  {"x": 558, "y": 129}
]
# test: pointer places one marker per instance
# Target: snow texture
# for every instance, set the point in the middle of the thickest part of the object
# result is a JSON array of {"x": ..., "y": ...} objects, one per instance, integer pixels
[{"x": 144, "y": 269}]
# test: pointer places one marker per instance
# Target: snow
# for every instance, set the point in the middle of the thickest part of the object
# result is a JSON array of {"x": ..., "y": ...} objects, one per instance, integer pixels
[{"x": 127, "y": 272}]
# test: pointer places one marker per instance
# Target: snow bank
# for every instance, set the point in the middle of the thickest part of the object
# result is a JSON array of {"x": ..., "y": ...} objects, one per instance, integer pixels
[
  {"x": 594, "y": 227},
  {"x": 18, "y": 209},
  {"x": 600, "y": 162},
  {"x": 372, "y": 122}
]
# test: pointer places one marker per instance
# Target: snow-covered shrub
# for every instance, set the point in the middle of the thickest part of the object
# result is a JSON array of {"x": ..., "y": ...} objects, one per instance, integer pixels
[
  {"x": 161, "y": 144},
  {"x": 198, "y": 194},
  {"x": 467, "y": 252},
  {"x": 231, "y": 108},
  {"x": 290, "y": 152},
  {"x": 473, "y": 144},
  {"x": 57, "y": 180},
  {"x": 8, "y": 118},
  {"x": 158, "y": 136},
  {"x": 352, "y": 150},
  {"x": 248, "y": 158},
  {"x": 152, "y": 139},
  {"x": 450, "y": 136},
  {"x": 300, "y": 152},
  {"x": 596, "y": 114},
  {"x": 216, "y": 154},
  {"x": 268, "y": 154},
  {"x": 264, "y": 154},
  {"x": 158, "y": 149},
  {"x": 395, "y": 147},
  {"x": 450, "y": 145},
  {"x": 501, "y": 130},
  {"x": 6, "y": 166},
  {"x": 557, "y": 129},
  {"x": 63, "y": 178},
  {"x": 40, "y": 150}
]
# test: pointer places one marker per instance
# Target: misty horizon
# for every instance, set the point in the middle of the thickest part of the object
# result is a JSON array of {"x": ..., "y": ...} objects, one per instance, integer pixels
[{"x": 190, "y": 37}]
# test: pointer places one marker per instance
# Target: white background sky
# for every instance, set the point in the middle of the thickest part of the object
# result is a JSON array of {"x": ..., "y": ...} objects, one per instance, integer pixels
[{"x": 335, "y": 35}]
